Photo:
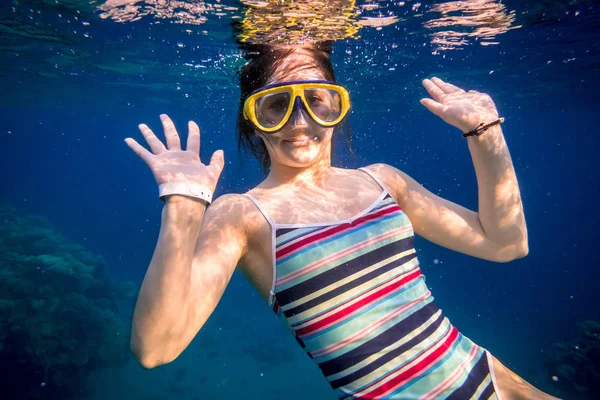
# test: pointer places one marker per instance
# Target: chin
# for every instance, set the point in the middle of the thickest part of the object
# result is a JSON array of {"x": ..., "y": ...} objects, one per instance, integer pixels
[
  {"x": 301, "y": 153},
  {"x": 300, "y": 162},
  {"x": 300, "y": 156}
]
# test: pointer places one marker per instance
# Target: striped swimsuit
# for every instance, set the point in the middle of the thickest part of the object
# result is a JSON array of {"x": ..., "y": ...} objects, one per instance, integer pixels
[{"x": 352, "y": 294}]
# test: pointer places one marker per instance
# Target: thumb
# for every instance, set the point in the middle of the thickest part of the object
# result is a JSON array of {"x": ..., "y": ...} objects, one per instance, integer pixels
[{"x": 217, "y": 160}]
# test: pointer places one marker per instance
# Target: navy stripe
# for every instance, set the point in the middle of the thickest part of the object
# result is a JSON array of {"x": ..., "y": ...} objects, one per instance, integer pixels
[
  {"x": 477, "y": 375},
  {"x": 379, "y": 343},
  {"x": 371, "y": 345},
  {"x": 488, "y": 392},
  {"x": 331, "y": 236},
  {"x": 351, "y": 285},
  {"x": 282, "y": 231},
  {"x": 343, "y": 271}
]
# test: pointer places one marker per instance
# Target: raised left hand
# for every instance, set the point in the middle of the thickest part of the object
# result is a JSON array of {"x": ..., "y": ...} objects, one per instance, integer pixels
[{"x": 464, "y": 110}]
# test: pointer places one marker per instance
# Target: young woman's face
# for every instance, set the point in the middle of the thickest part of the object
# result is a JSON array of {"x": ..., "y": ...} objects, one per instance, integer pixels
[{"x": 301, "y": 142}]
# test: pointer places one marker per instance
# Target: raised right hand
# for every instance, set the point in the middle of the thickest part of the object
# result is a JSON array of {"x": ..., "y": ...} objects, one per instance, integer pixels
[{"x": 171, "y": 163}]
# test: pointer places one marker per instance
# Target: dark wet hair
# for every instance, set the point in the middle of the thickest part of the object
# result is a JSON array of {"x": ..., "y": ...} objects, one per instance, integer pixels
[{"x": 264, "y": 60}]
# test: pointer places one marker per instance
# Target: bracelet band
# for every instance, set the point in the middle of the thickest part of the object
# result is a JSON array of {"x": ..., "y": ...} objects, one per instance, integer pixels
[
  {"x": 185, "y": 189},
  {"x": 482, "y": 128}
]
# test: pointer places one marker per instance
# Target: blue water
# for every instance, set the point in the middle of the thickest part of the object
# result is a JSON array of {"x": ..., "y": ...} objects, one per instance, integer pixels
[{"x": 68, "y": 102}]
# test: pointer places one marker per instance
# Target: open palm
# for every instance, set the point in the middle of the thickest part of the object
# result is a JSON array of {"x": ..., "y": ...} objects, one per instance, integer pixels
[
  {"x": 461, "y": 109},
  {"x": 172, "y": 164}
]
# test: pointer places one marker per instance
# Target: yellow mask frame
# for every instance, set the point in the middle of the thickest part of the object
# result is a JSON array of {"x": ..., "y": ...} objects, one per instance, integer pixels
[{"x": 296, "y": 89}]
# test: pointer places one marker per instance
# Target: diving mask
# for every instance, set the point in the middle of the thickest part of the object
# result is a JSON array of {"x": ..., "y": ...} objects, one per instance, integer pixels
[{"x": 269, "y": 108}]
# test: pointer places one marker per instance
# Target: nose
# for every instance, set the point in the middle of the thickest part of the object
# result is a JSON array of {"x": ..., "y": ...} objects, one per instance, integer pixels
[{"x": 299, "y": 116}]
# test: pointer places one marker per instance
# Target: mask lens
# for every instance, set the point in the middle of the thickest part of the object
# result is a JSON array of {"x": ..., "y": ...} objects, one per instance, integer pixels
[
  {"x": 271, "y": 108},
  {"x": 326, "y": 104}
]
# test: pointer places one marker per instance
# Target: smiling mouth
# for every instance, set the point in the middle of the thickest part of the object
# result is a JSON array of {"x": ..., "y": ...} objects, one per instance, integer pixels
[
  {"x": 299, "y": 140},
  {"x": 302, "y": 140}
]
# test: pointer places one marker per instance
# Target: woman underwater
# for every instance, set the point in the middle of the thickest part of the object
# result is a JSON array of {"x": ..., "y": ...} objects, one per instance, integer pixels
[{"x": 330, "y": 249}]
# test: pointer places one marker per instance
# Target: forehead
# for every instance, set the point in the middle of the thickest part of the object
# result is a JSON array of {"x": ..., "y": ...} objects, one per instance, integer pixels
[{"x": 298, "y": 66}]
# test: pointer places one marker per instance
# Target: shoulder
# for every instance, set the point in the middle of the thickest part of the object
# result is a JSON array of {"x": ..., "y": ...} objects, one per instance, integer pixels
[
  {"x": 236, "y": 210},
  {"x": 229, "y": 201},
  {"x": 394, "y": 180},
  {"x": 382, "y": 170},
  {"x": 231, "y": 208}
]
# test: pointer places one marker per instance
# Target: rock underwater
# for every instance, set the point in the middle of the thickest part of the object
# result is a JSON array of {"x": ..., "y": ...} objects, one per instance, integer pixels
[
  {"x": 575, "y": 364},
  {"x": 59, "y": 312}
]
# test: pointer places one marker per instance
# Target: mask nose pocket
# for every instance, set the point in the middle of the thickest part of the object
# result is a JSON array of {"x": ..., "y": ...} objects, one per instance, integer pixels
[
  {"x": 298, "y": 111},
  {"x": 297, "y": 104}
]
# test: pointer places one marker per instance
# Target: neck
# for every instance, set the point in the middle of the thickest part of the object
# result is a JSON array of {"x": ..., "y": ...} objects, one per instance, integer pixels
[{"x": 313, "y": 175}]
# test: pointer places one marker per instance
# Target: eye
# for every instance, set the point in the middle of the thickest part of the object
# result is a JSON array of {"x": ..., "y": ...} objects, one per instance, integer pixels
[{"x": 277, "y": 105}]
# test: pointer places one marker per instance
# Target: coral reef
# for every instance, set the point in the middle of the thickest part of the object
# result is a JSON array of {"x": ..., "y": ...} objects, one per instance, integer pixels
[
  {"x": 575, "y": 364},
  {"x": 59, "y": 312}
]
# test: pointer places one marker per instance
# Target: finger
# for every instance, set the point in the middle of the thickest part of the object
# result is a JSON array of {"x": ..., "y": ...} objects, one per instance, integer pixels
[
  {"x": 435, "y": 107},
  {"x": 138, "y": 149},
  {"x": 155, "y": 144},
  {"x": 193, "y": 141},
  {"x": 445, "y": 86},
  {"x": 173, "y": 142},
  {"x": 433, "y": 90},
  {"x": 217, "y": 161}
]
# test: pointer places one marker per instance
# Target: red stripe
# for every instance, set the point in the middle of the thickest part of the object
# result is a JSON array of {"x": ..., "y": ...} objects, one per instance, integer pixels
[
  {"x": 345, "y": 311},
  {"x": 330, "y": 232},
  {"x": 416, "y": 369}
]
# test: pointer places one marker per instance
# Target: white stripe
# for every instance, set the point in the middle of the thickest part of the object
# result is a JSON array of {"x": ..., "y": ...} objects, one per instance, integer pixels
[
  {"x": 392, "y": 347},
  {"x": 453, "y": 377},
  {"x": 348, "y": 252},
  {"x": 481, "y": 388},
  {"x": 400, "y": 270},
  {"x": 283, "y": 238},
  {"x": 358, "y": 335},
  {"x": 412, "y": 354},
  {"x": 350, "y": 297}
]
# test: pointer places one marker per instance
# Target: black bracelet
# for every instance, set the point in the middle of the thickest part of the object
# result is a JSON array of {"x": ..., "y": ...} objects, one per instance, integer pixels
[{"x": 482, "y": 128}]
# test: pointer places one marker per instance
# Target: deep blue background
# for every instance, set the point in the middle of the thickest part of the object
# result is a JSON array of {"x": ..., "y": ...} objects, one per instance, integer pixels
[{"x": 62, "y": 156}]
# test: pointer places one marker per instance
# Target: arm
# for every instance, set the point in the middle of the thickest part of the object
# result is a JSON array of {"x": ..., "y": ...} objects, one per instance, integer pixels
[
  {"x": 196, "y": 253},
  {"x": 498, "y": 231},
  {"x": 500, "y": 208},
  {"x": 195, "y": 257},
  {"x": 446, "y": 223}
]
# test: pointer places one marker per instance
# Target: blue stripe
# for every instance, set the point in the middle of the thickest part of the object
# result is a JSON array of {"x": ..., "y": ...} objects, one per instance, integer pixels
[
  {"x": 339, "y": 235},
  {"x": 342, "y": 323},
  {"x": 403, "y": 364}
]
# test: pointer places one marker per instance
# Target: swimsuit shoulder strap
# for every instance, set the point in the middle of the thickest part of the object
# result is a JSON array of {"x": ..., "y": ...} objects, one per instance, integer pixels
[
  {"x": 375, "y": 178},
  {"x": 257, "y": 204},
  {"x": 272, "y": 223}
]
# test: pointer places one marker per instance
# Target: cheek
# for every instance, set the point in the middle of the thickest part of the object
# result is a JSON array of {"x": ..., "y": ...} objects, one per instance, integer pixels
[{"x": 328, "y": 133}]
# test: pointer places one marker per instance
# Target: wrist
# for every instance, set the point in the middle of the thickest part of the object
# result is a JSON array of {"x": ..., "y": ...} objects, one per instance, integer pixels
[
  {"x": 183, "y": 209},
  {"x": 483, "y": 127},
  {"x": 179, "y": 205},
  {"x": 183, "y": 199},
  {"x": 188, "y": 189},
  {"x": 488, "y": 143}
]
